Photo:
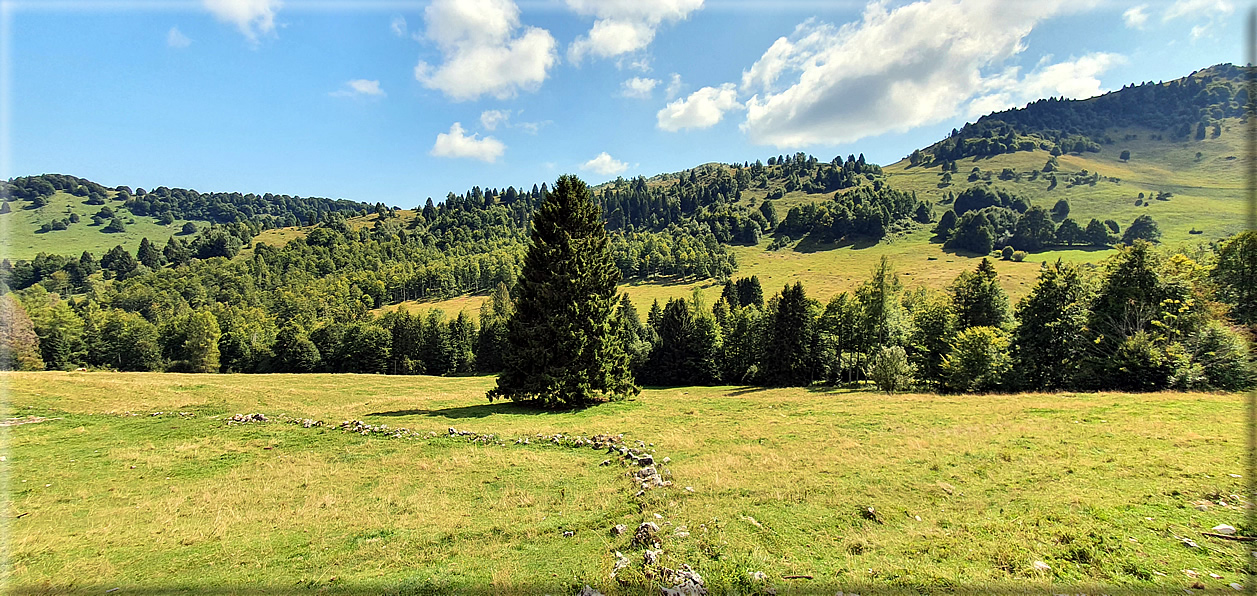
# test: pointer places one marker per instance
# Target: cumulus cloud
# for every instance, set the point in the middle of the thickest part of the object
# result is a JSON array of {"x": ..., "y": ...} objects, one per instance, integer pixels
[
  {"x": 360, "y": 88},
  {"x": 490, "y": 119},
  {"x": 176, "y": 39},
  {"x": 482, "y": 52},
  {"x": 1136, "y": 16},
  {"x": 624, "y": 26},
  {"x": 604, "y": 164},
  {"x": 893, "y": 70},
  {"x": 1073, "y": 79},
  {"x": 252, "y": 17},
  {"x": 702, "y": 109},
  {"x": 456, "y": 143},
  {"x": 638, "y": 87}
]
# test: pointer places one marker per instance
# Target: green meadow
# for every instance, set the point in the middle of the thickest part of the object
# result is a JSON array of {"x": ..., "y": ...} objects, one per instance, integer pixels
[{"x": 138, "y": 482}]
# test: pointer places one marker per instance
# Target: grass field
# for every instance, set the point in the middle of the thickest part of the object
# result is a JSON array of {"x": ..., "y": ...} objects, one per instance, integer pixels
[
  {"x": 969, "y": 491},
  {"x": 20, "y": 237}
]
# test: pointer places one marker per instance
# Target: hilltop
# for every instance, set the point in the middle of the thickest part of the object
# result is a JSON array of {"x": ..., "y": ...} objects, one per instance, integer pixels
[{"x": 1169, "y": 150}]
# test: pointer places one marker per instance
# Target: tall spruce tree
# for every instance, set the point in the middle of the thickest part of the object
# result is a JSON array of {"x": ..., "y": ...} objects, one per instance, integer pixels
[
  {"x": 562, "y": 348},
  {"x": 1050, "y": 340},
  {"x": 979, "y": 299}
]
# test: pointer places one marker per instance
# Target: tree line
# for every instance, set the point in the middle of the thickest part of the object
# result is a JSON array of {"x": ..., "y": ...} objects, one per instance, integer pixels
[{"x": 1187, "y": 108}]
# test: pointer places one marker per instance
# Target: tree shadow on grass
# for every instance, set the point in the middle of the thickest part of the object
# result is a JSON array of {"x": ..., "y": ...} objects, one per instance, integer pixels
[
  {"x": 810, "y": 244},
  {"x": 478, "y": 411}
]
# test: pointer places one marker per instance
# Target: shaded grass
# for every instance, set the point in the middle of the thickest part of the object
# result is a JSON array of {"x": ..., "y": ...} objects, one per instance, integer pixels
[{"x": 779, "y": 479}]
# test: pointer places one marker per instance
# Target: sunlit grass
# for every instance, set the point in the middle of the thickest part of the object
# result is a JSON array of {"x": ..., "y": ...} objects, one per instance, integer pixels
[{"x": 779, "y": 478}]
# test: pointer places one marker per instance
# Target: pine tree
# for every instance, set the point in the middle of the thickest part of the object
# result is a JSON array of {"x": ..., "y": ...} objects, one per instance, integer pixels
[
  {"x": 562, "y": 347},
  {"x": 1048, "y": 343},
  {"x": 979, "y": 299},
  {"x": 787, "y": 352},
  {"x": 148, "y": 254}
]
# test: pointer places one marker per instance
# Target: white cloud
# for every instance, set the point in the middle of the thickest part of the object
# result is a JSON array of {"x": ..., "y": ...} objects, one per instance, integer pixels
[
  {"x": 398, "y": 26},
  {"x": 1073, "y": 79},
  {"x": 624, "y": 26},
  {"x": 490, "y": 119},
  {"x": 893, "y": 70},
  {"x": 1136, "y": 16},
  {"x": 1212, "y": 12},
  {"x": 359, "y": 88},
  {"x": 604, "y": 164},
  {"x": 252, "y": 17},
  {"x": 1197, "y": 8},
  {"x": 482, "y": 53},
  {"x": 456, "y": 143},
  {"x": 674, "y": 87},
  {"x": 531, "y": 127},
  {"x": 176, "y": 39},
  {"x": 638, "y": 87},
  {"x": 702, "y": 109}
]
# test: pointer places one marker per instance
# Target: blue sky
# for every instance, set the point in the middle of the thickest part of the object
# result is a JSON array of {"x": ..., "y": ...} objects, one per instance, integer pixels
[{"x": 399, "y": 101}]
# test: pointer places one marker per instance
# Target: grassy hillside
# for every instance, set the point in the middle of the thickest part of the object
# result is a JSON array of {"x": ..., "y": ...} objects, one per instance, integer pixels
[
  {"x": 1208, "y": 192},
  {"x": 20, "y": 237},
  {"x": 969, "y": 492}
]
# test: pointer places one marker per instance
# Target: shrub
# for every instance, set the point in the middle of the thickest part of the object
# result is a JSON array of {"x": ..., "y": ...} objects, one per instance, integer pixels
[
  {"x": 1019, "y": 255},
  {"x": 1006, "y": 253},
  {"x": 890, "y": 370}
]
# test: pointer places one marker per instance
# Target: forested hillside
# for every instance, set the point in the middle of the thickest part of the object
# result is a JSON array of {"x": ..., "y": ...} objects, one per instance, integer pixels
[
  {"x": 207, "y": 293},
  {"x": 1190, "y": 107}
]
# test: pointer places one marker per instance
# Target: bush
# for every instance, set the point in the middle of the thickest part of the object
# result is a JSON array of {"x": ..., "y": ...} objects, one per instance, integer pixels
[
  {"x": 1019, "y": 255},
  {"x": 1222, "y": 357},
  {"x": 1006, "y": 253},
  {"x": 978, "y": 361},
  {"x": 890, "y": 370}
]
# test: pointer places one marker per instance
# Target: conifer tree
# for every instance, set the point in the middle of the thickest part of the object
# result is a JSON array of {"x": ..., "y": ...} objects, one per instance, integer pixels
[
  {"x": 1049, "y": 341},
  {"x": 148, "y": 255},
  {"x": 979, "y": 299},
  {"x": 562, "y": 348}
]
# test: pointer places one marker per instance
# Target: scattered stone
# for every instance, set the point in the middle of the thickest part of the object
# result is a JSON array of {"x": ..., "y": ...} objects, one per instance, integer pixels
[
  {"x": 569, "y": 534},
  {"x": 657, "y": 516},
  {"x": 1215, "y": 576},
  {"x": 621, "y": 562},
  {"x": 646, "y": 472},
  {"x": 753, "y": 522},
  {"x": 758, "y": 576},
  {"x": 1224, "y": 529},
  {"x": 667, "y": 460},
  {"x": 947, "y": 488},
  {"x": 588, "y": 591},
  {"x": 1198, "y": 586},
  {"x": 645, "y": 533},
  {"x": 681, "y": 534},
  {"x": 651, "y": 557},
  {"x": 1190, "y": 543},
  {"x": 1202, "y": 506},
  {"x": 1191, "y": 573},
  {"x": 605, "y": 462},
  {"x": 618, "y": 529},
  {"x": 247, "y": 418},
  {"x": 1234, "y": 475},
  {"x": 685, "y": 581},
  {"x": 689, "y": 489},
  {"x": 870, "y": 514},
  {"x": 1041, "y": 566},
  {"x": 1236, "y": 586}
]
